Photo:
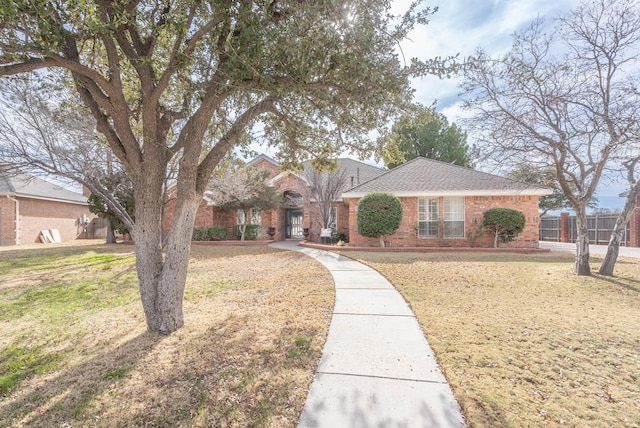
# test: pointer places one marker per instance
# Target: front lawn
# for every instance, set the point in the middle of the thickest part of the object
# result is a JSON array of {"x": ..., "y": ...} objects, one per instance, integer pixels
[
  {"x": 522, "y": 340},
  {"x": 74, "y": 350}
]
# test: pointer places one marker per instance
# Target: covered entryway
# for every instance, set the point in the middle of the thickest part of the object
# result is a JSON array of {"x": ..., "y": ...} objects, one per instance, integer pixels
[
  {"x": 293, "y": 215},
  {"x": 293, "y": 223}
]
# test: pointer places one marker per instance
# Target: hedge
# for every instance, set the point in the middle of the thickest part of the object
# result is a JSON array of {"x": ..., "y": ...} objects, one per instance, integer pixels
[
  {"x": 214, "y": 233},
  {"x": 250, "y": 233}
]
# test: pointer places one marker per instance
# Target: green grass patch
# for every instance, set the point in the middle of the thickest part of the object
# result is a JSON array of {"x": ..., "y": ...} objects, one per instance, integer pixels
[
  {"x": 117, "y": 374},
  {"x": 19, "y": 362}
]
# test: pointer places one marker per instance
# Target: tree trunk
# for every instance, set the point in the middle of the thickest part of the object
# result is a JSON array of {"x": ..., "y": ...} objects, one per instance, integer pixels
[
  {"x": 111, "y": 237},
  {"x": 382, "y": 241},
  {"x": 622, "y": 221},
  {"x": 162, "y": 281},
  {"x": 495, "y": 238},
  {"x": 582, "y": 243}
]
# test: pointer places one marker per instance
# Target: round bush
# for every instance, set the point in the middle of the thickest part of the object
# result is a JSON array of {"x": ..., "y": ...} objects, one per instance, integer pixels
[
  {"x": 505, "y": 223},
  {"x": 379, "y": 214}
]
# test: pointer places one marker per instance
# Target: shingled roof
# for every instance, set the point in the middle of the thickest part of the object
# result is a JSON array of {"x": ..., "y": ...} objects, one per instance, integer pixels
[
  {"x": 355, "y": 172},
  {"x": 427, "y": 177},
  {"x": 32, "y": 187}
]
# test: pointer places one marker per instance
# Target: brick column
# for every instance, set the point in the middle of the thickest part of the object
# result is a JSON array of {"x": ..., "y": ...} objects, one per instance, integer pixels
[{"x": 564, "y": 227}]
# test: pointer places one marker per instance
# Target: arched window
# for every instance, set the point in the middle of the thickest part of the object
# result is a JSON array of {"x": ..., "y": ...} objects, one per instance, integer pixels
[{"x": 293, "y": 199}]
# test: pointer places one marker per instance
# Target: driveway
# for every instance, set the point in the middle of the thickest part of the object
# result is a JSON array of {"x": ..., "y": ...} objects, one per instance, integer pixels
[{"x": 593, "y": 249}]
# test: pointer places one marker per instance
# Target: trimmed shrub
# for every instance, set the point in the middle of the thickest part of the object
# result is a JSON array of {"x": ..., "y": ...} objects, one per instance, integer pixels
[
  {"x": 217, "y": 233},
  {"x": 340, "y": 236},
  {"x": 214, "y": 233},
  {"x": 505, "y": 223},
  {"x": 251, "y": 232},
  {"x": 379, "y": 214},
  {"x": 199, "y": 234}
]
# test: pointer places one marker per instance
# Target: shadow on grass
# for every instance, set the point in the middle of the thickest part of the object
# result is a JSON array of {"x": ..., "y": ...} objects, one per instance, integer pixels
[
  {"x": 72, "y": 389},
  {"x": 220, "y": 376},
  {"x": 622, "y": 282}
]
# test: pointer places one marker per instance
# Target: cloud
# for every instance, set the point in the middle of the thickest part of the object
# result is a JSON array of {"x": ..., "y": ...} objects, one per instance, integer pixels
[{"x": 459, "y": 28}]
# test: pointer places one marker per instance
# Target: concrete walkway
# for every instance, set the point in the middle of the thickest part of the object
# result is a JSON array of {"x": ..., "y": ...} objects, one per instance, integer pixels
[
  {"x": 377, "y": 369},
  {"x": 593, "y": 249}
]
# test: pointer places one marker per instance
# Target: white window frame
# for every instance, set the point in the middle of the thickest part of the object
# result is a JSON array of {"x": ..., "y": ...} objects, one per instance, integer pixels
[
  {"x": 256, "y": 216},
  {"x": 428, "y": 217},
  {"x": 453, "y": 213},
  {"x": 333, "y": 218}
]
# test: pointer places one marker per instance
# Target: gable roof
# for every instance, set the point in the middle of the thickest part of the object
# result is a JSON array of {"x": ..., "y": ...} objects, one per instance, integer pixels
[
  {"x": 261, "y": 157},
  {"x": 355, "y": 172},
  {"x": 27, "y": 186},
  {"x": 428, "y": 177}
]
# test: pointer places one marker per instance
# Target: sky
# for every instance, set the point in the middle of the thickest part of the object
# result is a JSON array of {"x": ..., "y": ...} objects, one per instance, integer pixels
[{"x": 459, "y": 27}]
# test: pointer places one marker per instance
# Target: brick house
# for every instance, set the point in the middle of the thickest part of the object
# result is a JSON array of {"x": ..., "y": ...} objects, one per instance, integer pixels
[
  {"x": 29, "y": 205},
  {"x": 442, "y": 203}
]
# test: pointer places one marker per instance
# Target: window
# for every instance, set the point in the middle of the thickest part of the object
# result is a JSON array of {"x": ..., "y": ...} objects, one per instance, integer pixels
[
  {"x": 333, "y": 218},
  {"x": 428, "y": 218},
  {"x": 256, "y": 216},
  {"x": 240, "y": 216},
  {"x": 453, "y": 214}
]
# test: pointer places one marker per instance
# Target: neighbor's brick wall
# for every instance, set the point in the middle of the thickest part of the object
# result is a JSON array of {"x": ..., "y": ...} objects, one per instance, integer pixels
[
  {"x": 7, "y": 221},
  {"x": 36, "y": 215},
  {"x": 634, "y": 226},
  {"x": 475, "y": 206}
]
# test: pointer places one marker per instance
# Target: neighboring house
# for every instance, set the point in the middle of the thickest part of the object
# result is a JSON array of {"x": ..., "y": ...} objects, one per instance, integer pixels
[
  {"x": 442, "y": 204},
  {"x": 29, "y": 205}
]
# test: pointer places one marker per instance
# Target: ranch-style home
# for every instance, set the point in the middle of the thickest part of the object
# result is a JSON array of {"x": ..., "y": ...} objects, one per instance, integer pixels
[
  {"x": 442, "y": 204},
  {"x": 30, "y": 205}
]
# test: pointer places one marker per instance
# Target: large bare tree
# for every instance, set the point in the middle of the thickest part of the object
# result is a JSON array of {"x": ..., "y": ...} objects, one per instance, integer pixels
[
  {"x": 188, "y": 78},
  {"x": 561, "y": 98},
  {"x": 41, "y": 132},
  {"x": 325, "y": 188}
]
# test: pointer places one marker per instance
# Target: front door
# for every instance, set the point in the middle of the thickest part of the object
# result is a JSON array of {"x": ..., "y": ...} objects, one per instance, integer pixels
[{"x": 293, "y": 221}]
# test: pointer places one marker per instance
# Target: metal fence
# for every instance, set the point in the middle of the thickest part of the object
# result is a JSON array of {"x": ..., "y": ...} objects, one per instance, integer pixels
[{"x": 600, "y": 228}]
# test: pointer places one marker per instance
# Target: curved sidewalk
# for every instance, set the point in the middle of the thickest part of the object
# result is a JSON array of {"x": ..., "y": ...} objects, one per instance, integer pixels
[{"x": 377, "y": 368}]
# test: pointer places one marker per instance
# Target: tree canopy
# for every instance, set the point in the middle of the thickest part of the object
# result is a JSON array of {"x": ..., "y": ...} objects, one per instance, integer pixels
[
  {"x": 427, "y": 133},
  {"x": 186, "y": 80},
  {"x": 545, "y": 176},
  {"x": 241, "y": 191}
]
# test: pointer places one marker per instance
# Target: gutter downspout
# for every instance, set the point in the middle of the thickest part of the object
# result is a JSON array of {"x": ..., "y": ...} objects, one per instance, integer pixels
[{"x": 17, "y": 220}]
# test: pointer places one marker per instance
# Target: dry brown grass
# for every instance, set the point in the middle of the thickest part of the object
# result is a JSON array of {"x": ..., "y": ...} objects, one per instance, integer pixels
[
  {"x": 256, "y": 321},
  {"x": 522, "y": 340}
]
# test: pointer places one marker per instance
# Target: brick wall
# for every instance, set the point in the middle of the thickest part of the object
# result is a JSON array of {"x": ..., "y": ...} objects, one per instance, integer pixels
[
  {"x": 36, "y": 215},
  {"x": 475, "y": 206},
  {"x": 7, "y": 221}
]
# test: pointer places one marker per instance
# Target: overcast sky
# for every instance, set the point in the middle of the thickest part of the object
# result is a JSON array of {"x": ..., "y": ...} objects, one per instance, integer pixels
[{"x": 460, "y": 27}]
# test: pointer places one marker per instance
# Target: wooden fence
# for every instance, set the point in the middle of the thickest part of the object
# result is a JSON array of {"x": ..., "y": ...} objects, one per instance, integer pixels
[{"x": 600, "y": 228}]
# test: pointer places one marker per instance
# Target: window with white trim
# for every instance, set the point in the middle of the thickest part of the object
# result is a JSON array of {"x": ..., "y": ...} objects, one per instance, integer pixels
[
  {"x": 256, "y": 216},
  {"x": 453, "y": 214},
  {"x": 428, "y": 218},
  {"x": 333, "y": 218}
]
